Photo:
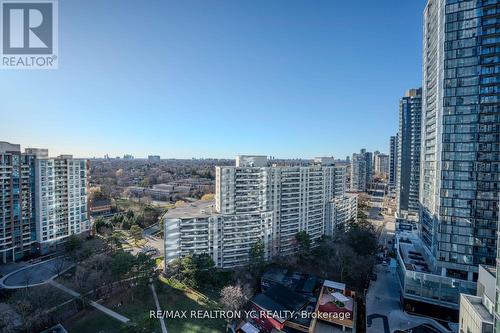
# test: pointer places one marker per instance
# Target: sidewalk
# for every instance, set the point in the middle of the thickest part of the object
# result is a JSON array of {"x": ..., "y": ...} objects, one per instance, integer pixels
[
  {"x": 157, "y": 303},
  {"x": 96, "y": 305}
]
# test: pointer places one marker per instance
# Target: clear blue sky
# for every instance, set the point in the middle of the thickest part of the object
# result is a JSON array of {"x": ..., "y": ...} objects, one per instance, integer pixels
[{"x": 213, "y": 78}]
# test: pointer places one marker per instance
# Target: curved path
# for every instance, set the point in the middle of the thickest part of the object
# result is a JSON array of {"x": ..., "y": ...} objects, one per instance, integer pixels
[
  {"x": 45, "y": 272},
  {"x": 36, "y": 274}
]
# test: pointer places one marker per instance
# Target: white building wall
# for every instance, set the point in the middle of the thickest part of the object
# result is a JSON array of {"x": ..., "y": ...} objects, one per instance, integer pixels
[
  {"x": 61, "y": 200},
  {"x": 271, "y": 204}
]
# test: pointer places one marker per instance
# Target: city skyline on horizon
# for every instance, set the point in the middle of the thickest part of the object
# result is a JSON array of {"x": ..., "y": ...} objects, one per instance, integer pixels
[
  {"x": 145, "y": 157},
  {"x": 286, "y": 77}
]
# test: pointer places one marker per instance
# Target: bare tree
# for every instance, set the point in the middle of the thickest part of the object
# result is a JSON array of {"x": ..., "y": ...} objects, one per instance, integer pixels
[
  {"x": 10, "y": 321},
  {"x": 27, "y": 279},
  {"x": 235, "y": 297},
  {"x": 59, "y": 265}
]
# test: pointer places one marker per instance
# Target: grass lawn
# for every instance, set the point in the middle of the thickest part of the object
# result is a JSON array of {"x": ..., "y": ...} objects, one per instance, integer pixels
[
  {"x": 181, "y": 298},
  {"x": 160, "y": 263},
  {"x": 92, "y": 321},
  {"x": 125, "y": 204},
  {"x": 135, "y": 306},
  {"x": 46, "y": 296}
]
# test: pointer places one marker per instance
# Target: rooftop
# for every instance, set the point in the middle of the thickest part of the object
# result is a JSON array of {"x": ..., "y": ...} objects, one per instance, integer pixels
[
  {"x": 490, "y": 269},
  {"x": 478, "y": 307},
  {"x": 197, "y": 209},
  {"x": 413, "y": 253},
  {"x": 100, "y": 202},
  {"x": 298, "y": 282},
  {"x": 280, "y": 299},
  {"x": 337, "y": 304}
]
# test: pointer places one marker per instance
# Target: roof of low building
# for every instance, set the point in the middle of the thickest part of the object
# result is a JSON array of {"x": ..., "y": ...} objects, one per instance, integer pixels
[
  {"x": 279, "y": 299},
  {"x": 197, "y": 209},
  {"x": 100, "y": 202},
  {"x": 478, "y": 308}
]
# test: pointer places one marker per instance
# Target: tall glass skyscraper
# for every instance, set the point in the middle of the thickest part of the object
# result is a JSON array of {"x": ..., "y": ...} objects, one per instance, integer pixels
[
  {"x": 408, "y": 166},
  {"x": 460, "y": 166},
  {"x": 393, "y": 159},
  {"x": 496, "y": 313}
]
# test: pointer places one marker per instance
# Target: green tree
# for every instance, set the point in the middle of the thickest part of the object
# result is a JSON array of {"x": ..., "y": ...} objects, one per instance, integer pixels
[
  {"x": 102, "y": 226},
  {"x": 127, "y": 223},
  {"x": 204, "y": 269},
  {"x": 144, "y": 268},
  {"x": 362, "y": 215},
  {"x": 304, "y": 243},
  {"x": 117, "y": 219},
  {"x": 183, "y": 269},
  {"x": 73, "y": 244},
  {"x": 136, "y": 232},
  {"x": 130, "y": 214},
  {"x": 121, "y": 265},
  {"x": 256, "y": 256},
  {"x": 115, "y": 240}
]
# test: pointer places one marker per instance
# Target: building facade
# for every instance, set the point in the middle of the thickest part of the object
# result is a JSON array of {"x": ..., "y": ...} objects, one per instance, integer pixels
[
  {"x": 343, "y": 209},
  {"x": 382, "y": 164},
  {"x": 393, "y": 160},
  {"x": 255, "y": 202},
  {"x": 154, "y": 158},
  {"x": 361, "y": 170},
  {"x": 17, "y": 203},
  {"x": 460, "y": 164},
  {"x": 358, "y": 173},
  {"x": 61, "y": 200},
  {"x": 42, "y": 201},
  {"x": 476, "y": 311},
  {"x": 496, "y": 307},
  {"x": 408, "y": 166}
]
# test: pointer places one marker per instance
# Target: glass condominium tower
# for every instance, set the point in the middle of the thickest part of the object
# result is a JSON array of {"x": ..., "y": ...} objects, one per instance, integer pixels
[
  {"x": 408, "y": 165},
  {"x": 460, "y": 165}
]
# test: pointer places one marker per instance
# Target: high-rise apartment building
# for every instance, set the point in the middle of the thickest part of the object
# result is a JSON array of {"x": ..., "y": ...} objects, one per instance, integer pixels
[
  {"x": 496, "y": 307},
  {"x": 369, "y": 164},
  {"x": 255, "y": 202},
  {"x": 154, "y": 158},
  {"x": 408, "y": 166},
  {"x": 460, "y": 162},
  {"x": 361, "y": 170},
  {"x": 382, "y": 164},
  {"x": 374, "y": 155},
  {"x": 393, "y": 160},
  {"x": 17, "y": 203},
  {"x": 460, "y": 136},
  {"x": 358, "y": 172},
  {"x": 42, "y": 201},
  {"x": 38, "y": 152},
  {"x": 61, "y": 200}
]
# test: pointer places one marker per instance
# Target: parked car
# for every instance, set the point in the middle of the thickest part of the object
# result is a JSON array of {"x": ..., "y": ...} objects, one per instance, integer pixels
[{"x": 150, "y": 250}]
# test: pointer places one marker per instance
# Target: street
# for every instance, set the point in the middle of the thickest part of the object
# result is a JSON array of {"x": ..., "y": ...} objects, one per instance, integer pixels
[{"x": 383, "y": 307}]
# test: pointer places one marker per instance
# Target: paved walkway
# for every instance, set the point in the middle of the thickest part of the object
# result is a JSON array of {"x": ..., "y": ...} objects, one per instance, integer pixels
[
  {"x": 96, "y": 305},
  {"x": 157, "y": 302},
  {"x": 36, "y": 274}
]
